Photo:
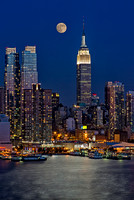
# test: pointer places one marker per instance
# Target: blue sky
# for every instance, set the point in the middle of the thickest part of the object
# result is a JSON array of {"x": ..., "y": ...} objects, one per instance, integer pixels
[{"x": 109, "y": 28}]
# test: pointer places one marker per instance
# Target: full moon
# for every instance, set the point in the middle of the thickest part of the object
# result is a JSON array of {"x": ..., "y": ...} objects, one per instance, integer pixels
[{"x": 61, "y": 27}]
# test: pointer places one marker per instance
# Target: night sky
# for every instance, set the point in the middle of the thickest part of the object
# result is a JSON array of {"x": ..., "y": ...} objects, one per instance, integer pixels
[{"x": 109, "y": 29}]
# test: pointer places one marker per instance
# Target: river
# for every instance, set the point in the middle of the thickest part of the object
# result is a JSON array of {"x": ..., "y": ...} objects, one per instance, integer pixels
[{"x": 67, "y": 177}]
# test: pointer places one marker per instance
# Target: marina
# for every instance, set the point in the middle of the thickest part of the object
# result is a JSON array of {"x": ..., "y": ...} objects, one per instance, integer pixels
[{"x": 92, "y": 154}]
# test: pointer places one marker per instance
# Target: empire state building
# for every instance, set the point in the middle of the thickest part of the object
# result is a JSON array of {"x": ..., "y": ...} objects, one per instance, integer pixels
[{"x": 83, "y": 74}]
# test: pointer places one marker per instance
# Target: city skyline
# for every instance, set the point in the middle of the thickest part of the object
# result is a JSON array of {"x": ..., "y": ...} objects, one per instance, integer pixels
[
  {"x": 107, "y": 39},
  {"x": 66, "y": 99}
]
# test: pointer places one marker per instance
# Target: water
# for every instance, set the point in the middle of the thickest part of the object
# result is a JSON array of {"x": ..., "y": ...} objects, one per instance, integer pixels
[{"x": 66, "y": 177}]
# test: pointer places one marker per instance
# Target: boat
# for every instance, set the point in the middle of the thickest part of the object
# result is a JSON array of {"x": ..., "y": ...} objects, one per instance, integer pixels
[
  {"x": 95, "y": 155},
  {"x": 119, "y": 156},
  {"x": 33, "y": 158},
  {"x": 84, "y": 152},
  {"x": 75, "y": 153},
  {"x": 16, "y": 158},
  {"x": 123, "y": 156},
  {"x": 6, "y": 157}
]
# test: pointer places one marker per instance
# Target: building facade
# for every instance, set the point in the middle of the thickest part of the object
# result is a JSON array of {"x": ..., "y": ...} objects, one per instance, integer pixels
[
  {"x": 12, "y": 91},
  {"x": 5, "y": 133},
  {"x": 83, "y": 74},
  {"x": 46, "y": 99},
  {"x": 70, "y": 124},
  {"x": 1, "y": 100},
  {"x": 37, "y": 114},
  {"x": 26, "y": 115},
  {"x": 114, "y": 98},
  {"x": 29, "y": 74},
  {"x": 55, "y": 100},
  {"x": 130, "y": 110},
  {"x": 95, "y": 100}
]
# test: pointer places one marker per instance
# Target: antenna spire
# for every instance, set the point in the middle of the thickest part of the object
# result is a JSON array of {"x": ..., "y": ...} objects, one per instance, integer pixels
[
  {"x": 83, "y": 26},
  {"x": 83, "y": 42}
]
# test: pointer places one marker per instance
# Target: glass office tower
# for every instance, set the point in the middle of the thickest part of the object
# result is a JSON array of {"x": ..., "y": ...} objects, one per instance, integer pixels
[
  {"x": 12, "y": 90},
  {"x": 29, "y": 74}
]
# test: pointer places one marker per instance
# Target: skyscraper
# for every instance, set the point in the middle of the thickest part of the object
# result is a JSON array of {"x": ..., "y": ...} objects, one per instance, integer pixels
[
  {"x": 26, "y": 115},
  {"x": 29, "y": 74},
  {"x": 130, "y": 110},
  {"x": 1, "y": 100},
  {"x": 95, "y": 100},
  {"x": 46, "y": 110},
  {"x": 12, "y": 90},
  {"x": 83, "y": 74},
  {"x": 37, "y": 114},
  {"x": 55, "y": 100},
  {"x": 114, "y": 100}
]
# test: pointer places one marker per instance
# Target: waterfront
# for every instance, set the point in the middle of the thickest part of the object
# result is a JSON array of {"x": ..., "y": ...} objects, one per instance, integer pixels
[{"x": 67, "y": 177}]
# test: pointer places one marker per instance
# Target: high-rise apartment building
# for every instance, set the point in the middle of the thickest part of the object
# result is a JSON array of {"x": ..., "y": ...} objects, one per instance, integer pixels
[
  {"x": 130, "y": 110},
  {"x": 76, "y": 112},
  {"x": 1, "y": 100},
  {"x": 95, "y": 100},
  {"x": 26, "y": 115},
  {"x": 114, "y": 100},
  {"x": 5, "y": 133},
  {"x": 37, "y": 114},
  {"x": 55, "y": 100},
  {"x": 46, "y": 110},
  {"x": 83, "y": 74},
  {"x": 12, "y": 90}
]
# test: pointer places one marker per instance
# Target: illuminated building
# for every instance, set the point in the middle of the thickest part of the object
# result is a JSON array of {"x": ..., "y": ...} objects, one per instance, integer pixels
[
  {"x": 55, "y": 99},
  {"x": 83, "y": 74},
  {"x": 83, "y": 134},
  {"x": 1, "y": 100},
  {"x": 5, "y": 132},
  {"x": 78, "y": 118},
  {"x": 70, "y": 124},
  {"x": 114, "y": 98},
  {"x": 26, "y": 115},
  {"x": 77, "y": 114},
  {"x": 46, "y": 98},
  {"x": 130, "y": 110},
  {"x": 12, "y": 90},
  {"x": 60, "y": 116},
  {"x": 99, "y": 116},
  {"x": 37, "y": 115},
  {"x": 95, "y": 100},
  {"x": 107, "y": 94},
  {"x": 29, "y": 74},
  {"x": 96, "y": 116}
]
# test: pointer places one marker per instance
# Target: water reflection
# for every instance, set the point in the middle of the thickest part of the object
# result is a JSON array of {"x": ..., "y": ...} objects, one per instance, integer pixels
[
  {"x": 6, "y": 166},
  {"x": 65, "y": 177}
]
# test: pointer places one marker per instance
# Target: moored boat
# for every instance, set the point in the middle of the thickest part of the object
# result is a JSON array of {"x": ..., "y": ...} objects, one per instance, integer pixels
[
  {"x": 95, "y": 155},
  {"x": 16, "y": 158},
  {"x": 33, "y": 158},
  {"x": 6, "y": 157},
  {"x": 123, "y": 156},
  {"x": 119, "y": 156},
  {"x": 75, "y": 153}
]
